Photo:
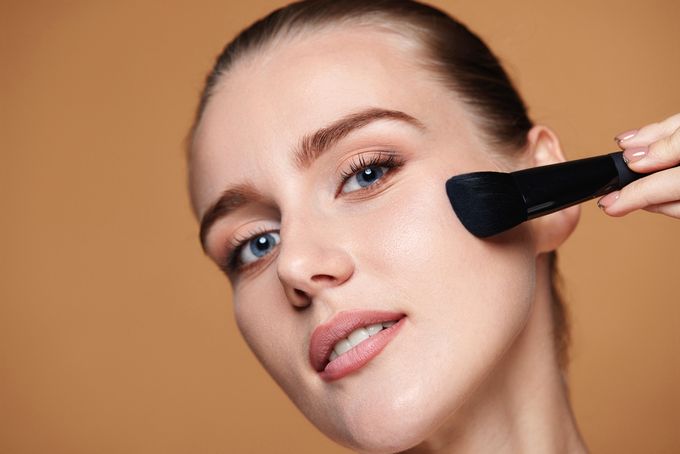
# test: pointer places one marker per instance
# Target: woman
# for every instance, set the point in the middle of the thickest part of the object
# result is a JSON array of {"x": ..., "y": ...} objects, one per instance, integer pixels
[{"x": 317, "y": 165}]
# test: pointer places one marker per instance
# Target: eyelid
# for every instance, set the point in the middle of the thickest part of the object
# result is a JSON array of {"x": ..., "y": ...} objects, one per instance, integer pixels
[
  {"x": 365, "y": 155},
  {"x": 353, "y": 164},
  {"x": 235, "y": 244},
  {"x": 252, "y": 268},
  {"x": 378, "y": 158}
]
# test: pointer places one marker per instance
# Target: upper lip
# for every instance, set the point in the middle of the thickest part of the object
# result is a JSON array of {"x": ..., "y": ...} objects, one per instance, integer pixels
[{"x": 326, "y": 335}]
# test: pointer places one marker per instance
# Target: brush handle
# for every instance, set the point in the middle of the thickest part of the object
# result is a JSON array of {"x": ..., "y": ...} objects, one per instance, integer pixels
[{"x": 551, "y": 188}]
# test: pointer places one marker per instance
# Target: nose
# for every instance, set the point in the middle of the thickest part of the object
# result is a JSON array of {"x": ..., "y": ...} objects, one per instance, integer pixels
[{"x": 311, "y": 261}]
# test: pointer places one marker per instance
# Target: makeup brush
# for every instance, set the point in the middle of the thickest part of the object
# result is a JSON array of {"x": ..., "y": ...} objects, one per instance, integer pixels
[{"x": 488, "y": 203}]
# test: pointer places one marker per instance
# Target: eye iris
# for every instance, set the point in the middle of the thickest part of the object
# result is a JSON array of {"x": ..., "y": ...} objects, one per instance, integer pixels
[
  {"x": 261, "y": 245},
  {"x": 369, "y": 175}
]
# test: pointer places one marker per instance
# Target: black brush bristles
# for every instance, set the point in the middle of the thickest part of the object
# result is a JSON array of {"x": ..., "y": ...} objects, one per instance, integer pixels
[{"x": 486, "y": 202}]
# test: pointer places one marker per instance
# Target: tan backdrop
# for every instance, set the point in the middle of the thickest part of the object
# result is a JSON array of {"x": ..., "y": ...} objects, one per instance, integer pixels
[{"x": 116, "y": 334}]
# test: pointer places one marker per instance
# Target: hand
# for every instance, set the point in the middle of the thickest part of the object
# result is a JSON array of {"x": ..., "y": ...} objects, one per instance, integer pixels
[{"x": 651, "y": 148}]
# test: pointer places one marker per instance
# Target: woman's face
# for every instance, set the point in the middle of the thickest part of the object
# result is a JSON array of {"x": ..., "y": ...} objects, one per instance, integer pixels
[{"x": 334, "y": 149}]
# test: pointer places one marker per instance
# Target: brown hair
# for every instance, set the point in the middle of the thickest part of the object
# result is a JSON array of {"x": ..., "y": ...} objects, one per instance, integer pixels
[{"x": 454, "y": 55}]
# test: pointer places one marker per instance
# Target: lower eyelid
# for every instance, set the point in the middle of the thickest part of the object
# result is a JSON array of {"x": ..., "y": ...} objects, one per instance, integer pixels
[
  {"x": 391, "y": 161},
  {"x": 390, "y": 172},
  {"x": 253, "y": 267}
]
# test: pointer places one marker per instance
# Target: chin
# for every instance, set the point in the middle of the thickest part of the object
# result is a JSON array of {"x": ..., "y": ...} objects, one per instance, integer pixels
[
  {"x": 388, "y": 432},
  {"x": 392, "y": 419}
]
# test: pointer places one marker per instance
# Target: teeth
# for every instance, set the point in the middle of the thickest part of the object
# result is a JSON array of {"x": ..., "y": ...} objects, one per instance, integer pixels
[
  {"x": 342, "y": 347},
  {"x": 372, "y": 329},
  {"x": 356, "y": 337}
]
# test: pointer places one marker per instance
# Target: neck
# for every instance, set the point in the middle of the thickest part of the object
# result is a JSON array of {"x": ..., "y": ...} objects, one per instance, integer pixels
[{"x": 523, "y": 406}]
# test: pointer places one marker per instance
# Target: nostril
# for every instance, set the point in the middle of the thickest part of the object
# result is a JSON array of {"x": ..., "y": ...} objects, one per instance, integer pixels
[
  {"x": 322, "y": 278},
  {"x": 302, "y": 299}
]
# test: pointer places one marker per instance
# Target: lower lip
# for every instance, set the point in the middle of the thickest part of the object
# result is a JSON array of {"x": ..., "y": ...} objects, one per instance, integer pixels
[{"x": 359, "y": 356}]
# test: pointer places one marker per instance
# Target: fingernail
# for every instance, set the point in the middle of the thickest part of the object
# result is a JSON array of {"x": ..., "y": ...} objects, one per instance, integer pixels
[
  {"x": 626, "y": 135},
  {"x": 608, "y": 200},
  {"x": 634, "y": 154}
]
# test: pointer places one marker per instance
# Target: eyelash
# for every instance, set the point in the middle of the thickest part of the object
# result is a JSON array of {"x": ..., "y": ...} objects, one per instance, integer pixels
[
  {"x": 230, "y": 264},
  {"x": 386, "y": 159}
]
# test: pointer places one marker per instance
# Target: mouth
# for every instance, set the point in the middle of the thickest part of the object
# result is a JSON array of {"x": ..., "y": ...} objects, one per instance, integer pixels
[{"x": 350, "y": 340}]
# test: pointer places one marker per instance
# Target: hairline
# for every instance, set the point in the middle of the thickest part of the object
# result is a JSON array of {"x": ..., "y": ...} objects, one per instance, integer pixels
[
  {"x": 380, "y": 21},
  {"x": 386, "y": 22}
]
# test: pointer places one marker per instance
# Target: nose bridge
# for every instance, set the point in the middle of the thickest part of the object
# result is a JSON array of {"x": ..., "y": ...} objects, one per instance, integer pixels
[{"x": 311, "y": 255}]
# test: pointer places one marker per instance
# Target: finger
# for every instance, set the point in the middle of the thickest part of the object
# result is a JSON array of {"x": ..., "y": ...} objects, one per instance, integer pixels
[
  {"x": 662, "y": 154},
  {"x": 648, "y": 134},
  {"x": 657, "y": 189},
  {"x": 669, "y": 209}
]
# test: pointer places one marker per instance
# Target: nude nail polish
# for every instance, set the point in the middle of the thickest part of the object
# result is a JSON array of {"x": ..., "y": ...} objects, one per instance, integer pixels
[
  {"x": 608, "y": 200},
  {"x": 634, "y": 154},
  {"x": 626, "y": 135}
]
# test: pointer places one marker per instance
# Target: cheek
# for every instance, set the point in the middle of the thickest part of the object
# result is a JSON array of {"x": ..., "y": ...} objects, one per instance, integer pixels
[
  {"x": 466, "y": 301},
  {"x": 266, "y": 322},
  {"x": 465, "y": 293},
  {"x": 470, "y": 294}
]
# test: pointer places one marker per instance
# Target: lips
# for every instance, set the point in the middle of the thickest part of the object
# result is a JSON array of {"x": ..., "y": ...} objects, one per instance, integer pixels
[{"x": 327, "y": 335}]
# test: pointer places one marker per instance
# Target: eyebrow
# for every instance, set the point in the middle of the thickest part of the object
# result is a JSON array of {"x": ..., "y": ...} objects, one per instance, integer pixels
[{"x": 311, "y": 146}]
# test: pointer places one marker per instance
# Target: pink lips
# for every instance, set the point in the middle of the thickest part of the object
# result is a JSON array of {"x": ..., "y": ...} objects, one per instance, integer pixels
[{"x": 326, "y": 335}]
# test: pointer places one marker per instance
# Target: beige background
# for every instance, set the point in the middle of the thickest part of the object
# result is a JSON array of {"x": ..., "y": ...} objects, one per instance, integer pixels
[{"x": 116, "y": 334}]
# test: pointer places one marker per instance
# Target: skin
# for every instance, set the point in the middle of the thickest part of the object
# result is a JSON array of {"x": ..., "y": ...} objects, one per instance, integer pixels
[
  {"x": 651, "y": 148},
  {"x": 473, "y": 368}
]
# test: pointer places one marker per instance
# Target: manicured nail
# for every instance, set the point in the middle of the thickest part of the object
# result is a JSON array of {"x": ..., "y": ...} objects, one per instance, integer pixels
[
  {"x": 626, "y": 135},
  {"x": 608, "y": 200},
  {"x": 634, "y": 154}
]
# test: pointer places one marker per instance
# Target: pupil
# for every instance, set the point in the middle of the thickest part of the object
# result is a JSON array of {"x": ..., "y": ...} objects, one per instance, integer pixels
[
  {"x": 261, "y": 245},
  {"x": 369, "y": 175}
]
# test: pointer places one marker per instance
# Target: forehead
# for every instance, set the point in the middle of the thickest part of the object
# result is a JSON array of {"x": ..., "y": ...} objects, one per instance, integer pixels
[{"x": 270, "y": 99}]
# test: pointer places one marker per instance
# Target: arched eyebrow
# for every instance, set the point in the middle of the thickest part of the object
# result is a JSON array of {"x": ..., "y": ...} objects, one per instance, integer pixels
[
  {"x": 231, "y": 200},
  {"x": 313, "y": 145},
  {"x": 310, "y": 148}
]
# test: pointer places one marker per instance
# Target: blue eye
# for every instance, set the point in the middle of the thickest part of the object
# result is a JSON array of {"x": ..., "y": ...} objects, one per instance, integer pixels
[
  {"x": 363, "y": 178},
  {"x": 257, "y": 247}
]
